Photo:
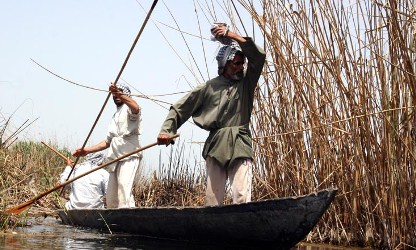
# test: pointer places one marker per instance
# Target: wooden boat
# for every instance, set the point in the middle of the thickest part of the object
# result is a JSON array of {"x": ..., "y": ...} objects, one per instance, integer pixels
[{"x": 281, "y": 222}]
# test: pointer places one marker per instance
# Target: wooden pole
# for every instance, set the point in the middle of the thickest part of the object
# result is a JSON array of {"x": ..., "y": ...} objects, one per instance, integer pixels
[
  {"x": 117, "y": 78},
  {"x": 57, "y": 152}
]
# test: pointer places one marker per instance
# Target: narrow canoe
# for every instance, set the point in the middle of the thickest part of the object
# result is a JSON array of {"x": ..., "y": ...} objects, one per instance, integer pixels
[{"x": 281, "y": 222}]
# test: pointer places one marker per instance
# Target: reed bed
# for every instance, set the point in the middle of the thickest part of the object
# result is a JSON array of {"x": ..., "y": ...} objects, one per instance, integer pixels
[
  {"x": 178, "y": 182},
  {"x": 26, "y": 170},
  {"x": 336, "y": 107}
]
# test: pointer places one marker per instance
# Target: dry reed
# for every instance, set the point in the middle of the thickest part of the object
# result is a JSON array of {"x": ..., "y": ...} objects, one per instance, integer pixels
[
  {"x": 27, "y": 169},
  {"x": 176, "y": 183},
  {"x": 336, "y": 107}
]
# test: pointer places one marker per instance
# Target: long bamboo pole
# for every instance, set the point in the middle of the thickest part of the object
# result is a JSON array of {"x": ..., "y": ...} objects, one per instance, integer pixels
[
  {"x": 22, "y": 207},
  {"x": 117, "y": 78}
]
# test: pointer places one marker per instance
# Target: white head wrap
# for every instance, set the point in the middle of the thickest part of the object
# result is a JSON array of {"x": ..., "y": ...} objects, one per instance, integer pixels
[
  {"x": 124, "y": 88},
  {"x": 96, "y": 158}
]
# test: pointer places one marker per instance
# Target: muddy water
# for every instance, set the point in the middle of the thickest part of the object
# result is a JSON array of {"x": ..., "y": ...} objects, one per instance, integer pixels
[{"x": 48, "y": 233}]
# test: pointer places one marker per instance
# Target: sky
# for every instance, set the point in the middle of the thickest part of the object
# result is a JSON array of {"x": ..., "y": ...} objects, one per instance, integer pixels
[{"x": 87, "y": 42}]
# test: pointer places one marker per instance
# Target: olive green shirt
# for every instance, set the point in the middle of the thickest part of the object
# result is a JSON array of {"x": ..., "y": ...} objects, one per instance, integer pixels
[{"x": 223, "y": 107}]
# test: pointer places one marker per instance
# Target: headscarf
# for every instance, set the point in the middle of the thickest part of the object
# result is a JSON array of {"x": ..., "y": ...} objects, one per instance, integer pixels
[
  {"x": 96, "y": 158},
  {"x": 124, "y": 88},
  {"x": 226, "y": 52}
]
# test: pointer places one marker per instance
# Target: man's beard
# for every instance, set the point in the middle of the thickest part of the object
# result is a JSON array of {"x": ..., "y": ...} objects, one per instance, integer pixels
[
  {"x": 238, "y": 76},
  {"x": 117, "y": 102}
]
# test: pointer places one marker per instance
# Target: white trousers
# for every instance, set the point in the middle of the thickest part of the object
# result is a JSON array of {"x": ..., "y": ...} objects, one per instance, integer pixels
[
  {"x": 240, "y": 176},
  {"x": 120, "y": 184}
]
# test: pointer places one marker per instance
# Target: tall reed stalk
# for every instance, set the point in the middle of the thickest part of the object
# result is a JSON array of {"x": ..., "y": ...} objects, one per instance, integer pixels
[{"x": 336, "y": 107}]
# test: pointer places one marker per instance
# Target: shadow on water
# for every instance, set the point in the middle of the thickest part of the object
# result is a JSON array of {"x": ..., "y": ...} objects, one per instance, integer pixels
[{"x": 48, "y": 233}]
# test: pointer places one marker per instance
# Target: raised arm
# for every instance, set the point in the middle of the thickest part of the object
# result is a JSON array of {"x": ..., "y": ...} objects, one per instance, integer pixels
[
  {"x": 126, "y": 99},
  {"x": 222, "y": 31}
]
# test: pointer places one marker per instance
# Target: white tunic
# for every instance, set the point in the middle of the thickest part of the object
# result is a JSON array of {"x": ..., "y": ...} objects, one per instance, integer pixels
[
  {"x": 123, "y": 135},
  {"x": 88, "y": 191}
]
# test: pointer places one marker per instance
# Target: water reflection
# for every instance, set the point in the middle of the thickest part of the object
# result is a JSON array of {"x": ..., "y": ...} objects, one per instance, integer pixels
[{"x": 49, "y": 233}]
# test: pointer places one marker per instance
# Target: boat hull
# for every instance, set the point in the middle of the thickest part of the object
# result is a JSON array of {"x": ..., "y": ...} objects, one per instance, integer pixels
[{"x": 279, "y": 222}]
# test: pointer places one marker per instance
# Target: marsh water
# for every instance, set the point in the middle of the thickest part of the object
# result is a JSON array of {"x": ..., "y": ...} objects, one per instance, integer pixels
[{"x": 49, "y": 233}]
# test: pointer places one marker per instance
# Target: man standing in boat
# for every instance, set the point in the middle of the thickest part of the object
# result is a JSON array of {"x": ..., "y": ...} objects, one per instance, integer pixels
[
  {"x": 88, "y": 191},
  {"x": 122, "y": 138},
  {"x": 223, "y": 107}
]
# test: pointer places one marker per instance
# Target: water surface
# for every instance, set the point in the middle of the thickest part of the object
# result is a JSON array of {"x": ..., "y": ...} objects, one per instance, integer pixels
[{"x": 49, "y": 233}]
